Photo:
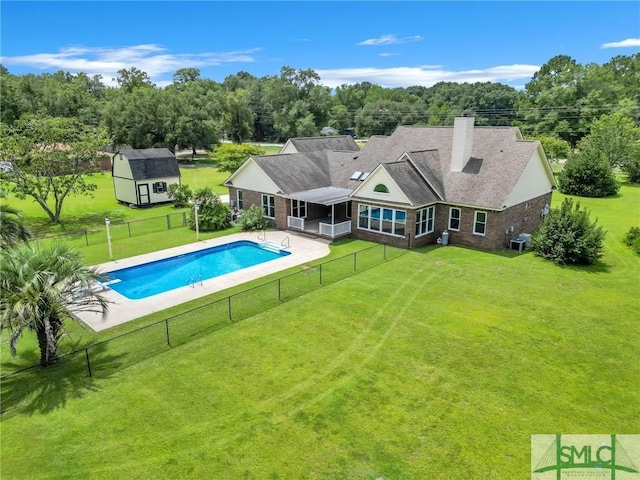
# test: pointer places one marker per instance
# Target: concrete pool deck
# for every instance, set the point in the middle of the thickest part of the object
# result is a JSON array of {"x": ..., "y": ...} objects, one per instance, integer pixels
[{"x": 123, "y": 310}]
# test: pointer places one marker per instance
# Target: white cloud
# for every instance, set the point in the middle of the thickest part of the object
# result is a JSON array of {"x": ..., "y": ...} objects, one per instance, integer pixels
[
  {"x": 425, "y": 75},
  {"x": 629, "y": 42},
  {"x": 150, "y": 58},
  {"x": 388, "y": 54},
  {"x": 390, "y": 40}
]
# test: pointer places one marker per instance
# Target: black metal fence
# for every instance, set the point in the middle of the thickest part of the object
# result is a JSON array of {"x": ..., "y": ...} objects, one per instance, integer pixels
[
  {"x": 121, "y": 230},
  {"x": 103, "y": 358}
]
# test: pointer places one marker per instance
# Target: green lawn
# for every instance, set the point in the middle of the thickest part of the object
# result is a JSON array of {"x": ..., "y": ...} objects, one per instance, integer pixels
[
  {"x": 80, "y": 212},
  {"x": 438, "y": 364}
]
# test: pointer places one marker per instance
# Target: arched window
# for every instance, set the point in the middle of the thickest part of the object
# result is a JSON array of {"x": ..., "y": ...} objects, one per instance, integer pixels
[{"x": 381, "y": 188}]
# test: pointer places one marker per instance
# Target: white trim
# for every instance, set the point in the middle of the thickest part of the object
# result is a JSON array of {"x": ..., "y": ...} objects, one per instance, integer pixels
[
  {"x": 426, "y": 210},
  {"x": 268, "y": 205},
  {"x": 476, "y": 222},
  {"x": 459, "y": 219},
  {"x": 299, "y": 207},
  {"x": 239, "y": 200},
  {"x": 381, "y": 220}
]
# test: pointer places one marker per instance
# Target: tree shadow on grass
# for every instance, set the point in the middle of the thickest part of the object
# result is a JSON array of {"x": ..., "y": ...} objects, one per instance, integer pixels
[{"x": 45, "y": 389}]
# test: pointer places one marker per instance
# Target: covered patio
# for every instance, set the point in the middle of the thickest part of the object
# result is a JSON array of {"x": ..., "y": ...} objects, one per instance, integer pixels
[{"x": 322, "y": 211}]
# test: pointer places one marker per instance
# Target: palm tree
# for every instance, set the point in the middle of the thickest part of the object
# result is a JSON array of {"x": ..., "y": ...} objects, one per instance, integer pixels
[
  {"x": 40, "y": 288},
  {"x": 12, "y": 229}
]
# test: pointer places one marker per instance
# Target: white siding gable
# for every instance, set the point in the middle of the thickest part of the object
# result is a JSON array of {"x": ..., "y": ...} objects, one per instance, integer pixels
[
  {"x": 536, "y": 180},
  {"x": 121, "y": 167},
  {"x": 288, "y": 148},
  {"x": 251, "y": 177},
  {"x": 377, "y": 177}
]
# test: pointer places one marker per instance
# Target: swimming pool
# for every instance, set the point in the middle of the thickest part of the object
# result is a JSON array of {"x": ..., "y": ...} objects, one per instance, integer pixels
[{"x": 147, "y": 279}]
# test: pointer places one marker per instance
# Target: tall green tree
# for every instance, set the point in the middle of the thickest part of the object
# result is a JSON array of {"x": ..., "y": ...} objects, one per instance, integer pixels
[
  {"x": 549, "y": 105},
  {"x": 51, "y": 159},
  {"x": 299, "y": 103},
  {"x": 133, "y": 78},
  {"x": 42, "y": 288},
  {"x": 191, "y": 114},
  {"x": 616, "y": 137},
  {"x": 237, "y": 118}
]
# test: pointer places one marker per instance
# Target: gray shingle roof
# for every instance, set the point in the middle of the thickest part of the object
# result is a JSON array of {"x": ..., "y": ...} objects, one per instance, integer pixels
[
  {"x": 314, "y": 144},
  {"x": 152, "y": 163},
  {"x": 498, "y": 160}
]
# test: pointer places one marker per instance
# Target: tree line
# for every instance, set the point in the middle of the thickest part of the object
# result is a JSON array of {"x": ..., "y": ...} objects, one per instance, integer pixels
[{"x": 561, "y": 101}]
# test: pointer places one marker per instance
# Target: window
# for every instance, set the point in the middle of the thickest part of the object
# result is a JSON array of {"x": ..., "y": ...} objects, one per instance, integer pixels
[
  {"x": 385, "y": 220},
  {"x": 269, "y": 206},
  {"x": 299, "y": 208},
  {"x": 424, "y": 221},
  {"x": 239, "y": 204},
  {"x": 381, "y": 188},
  {"x": 454, "y": 219},
  {"x": 480, "y": 223},
  {"x": 159, "y": 187}
]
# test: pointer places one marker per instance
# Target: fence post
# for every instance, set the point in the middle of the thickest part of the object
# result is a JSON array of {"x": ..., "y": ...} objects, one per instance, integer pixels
[
  {"x": 384, "y": 254},
  {"x": 355, "y": 261},
  {"x": 86, "y": 354},
  {"x": 167, "y": 328},
  {"x": 230, "y": 317},
  {"x": 320, "y": 274},
  {"x": 129, "y": 228},
  {"x": 184, "y": 219},
  {"x": 86, "y": 237},
  {"x": 279, "y": 296},
  {"x": 168, "y": 222}
]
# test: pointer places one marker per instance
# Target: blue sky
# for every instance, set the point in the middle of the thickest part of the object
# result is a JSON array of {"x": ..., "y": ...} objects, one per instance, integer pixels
[{"x": 393, "y": 44}]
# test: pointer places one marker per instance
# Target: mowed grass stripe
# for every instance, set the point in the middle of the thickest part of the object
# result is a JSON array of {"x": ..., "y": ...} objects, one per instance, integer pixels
[{"x": 454, "y": 389}]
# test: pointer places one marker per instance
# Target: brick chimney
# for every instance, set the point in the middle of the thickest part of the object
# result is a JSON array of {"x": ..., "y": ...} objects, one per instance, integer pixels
[{"x": 462, "y": 142}]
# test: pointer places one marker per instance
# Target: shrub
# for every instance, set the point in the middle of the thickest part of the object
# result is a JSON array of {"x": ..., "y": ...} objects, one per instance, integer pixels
[
  {"x": 588, "y": 174},
  {"x": 567, "y": 236},
  {"x": 632, "y": 167},
  {"x": 180, "y": 194},
  {"x": 252, "y": 219},
  {"x": 230, "y": 156},
  {"x": 213, "y": 215},
  {"x": 632, "y": 239}
]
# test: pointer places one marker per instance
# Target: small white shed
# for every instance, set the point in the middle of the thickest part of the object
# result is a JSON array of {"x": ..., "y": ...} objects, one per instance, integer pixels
[{"x": 141, "y": 177}]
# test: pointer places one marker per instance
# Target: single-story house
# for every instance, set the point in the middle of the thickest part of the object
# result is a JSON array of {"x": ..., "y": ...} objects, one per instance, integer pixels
[
  {"x": 141, "y": 177},
  {"x": 465, "y": 185}
]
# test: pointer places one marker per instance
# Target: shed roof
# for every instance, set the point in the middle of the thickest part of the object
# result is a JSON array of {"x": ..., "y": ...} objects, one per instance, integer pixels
[{"x": 151, "y": 163}]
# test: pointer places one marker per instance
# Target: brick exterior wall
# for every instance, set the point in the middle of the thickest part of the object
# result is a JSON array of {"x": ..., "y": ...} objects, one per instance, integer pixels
[{"x": 524, "y": 218}]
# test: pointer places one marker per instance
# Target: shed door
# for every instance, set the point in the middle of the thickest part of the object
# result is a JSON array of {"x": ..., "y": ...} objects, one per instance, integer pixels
[{"x": 143, "y": 193}]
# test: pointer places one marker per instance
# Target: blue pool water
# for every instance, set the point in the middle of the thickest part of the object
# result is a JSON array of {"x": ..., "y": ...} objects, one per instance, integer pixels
[{"x": 163, "y": 275}]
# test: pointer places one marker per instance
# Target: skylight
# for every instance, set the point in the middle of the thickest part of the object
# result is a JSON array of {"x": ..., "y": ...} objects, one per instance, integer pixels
[
  {"x": 364, "y": 175},
  {"x": 355, "y": 176}
]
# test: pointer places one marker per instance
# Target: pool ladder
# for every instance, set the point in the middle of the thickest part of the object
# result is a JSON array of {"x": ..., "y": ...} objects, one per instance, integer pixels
[{"x": 193, "y": 280}]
